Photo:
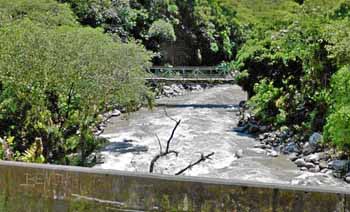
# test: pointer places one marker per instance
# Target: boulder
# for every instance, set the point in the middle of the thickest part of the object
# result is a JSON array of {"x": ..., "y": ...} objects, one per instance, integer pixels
[
  {"x": 323, "y": 164},
  {"x": 308, "y": 148},
  {"x": 303, "y": 169},
  {"x": 315, "y": 158},
  {"x": 310, "y": 165},
  {"x": 340, "y": 167},
  {"x": 347, "y": 177},
  {"x": 116, "y": 113},
  {"x": 300, "y": 162},
  {"x": 315, "y": 169},
  {"x": 291, "y": 147},
  {"x": 315, "y": 139}
]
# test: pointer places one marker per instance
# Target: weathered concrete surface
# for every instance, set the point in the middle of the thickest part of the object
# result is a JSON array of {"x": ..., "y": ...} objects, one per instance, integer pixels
[{"x": 31, "y": 187}]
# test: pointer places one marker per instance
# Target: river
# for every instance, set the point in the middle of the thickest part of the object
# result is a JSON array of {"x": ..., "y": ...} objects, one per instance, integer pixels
[{"x": 208, "y": 119}]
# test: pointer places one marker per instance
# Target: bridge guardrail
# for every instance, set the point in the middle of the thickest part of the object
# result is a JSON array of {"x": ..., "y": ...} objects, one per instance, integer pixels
[
  {"x": 33, "y": 187},
  {"x": 188, "y": 72}
]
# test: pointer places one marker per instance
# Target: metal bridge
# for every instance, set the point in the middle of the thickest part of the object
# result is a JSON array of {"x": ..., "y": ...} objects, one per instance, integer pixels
[{"x": 207, "y": 74}]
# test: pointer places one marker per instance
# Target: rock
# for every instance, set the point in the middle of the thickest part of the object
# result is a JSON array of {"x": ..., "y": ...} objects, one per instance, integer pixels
[
  {"x": 308, "y": 148},
  {"x": 347, "y": 179},
  {"x": 263, "y": 128},
  {"x": 253, "y": 128},
  {"x": 310, "y": 165},
  {"x": 290, "y": 148},
  {"x": 340, "y": 167},
  {"x": 315, "y": 139},
  {"x": 263, "y": 136},
  {"x": 303, "y": 169},
  {"x": 293, "y": 157},
  {"x": 339, "y": 164},
  {"x": 273, "y": 153},
  {"x": 239, "y": 153},
  {"x": 323, "y": 164},
  {"x": 315, "y": 169},
  {"x": 116, "y": 113},
  {"x": 315, "y": 158},
  {"x": 324, "y": 171},
  {"x": 300, "y": 162}
]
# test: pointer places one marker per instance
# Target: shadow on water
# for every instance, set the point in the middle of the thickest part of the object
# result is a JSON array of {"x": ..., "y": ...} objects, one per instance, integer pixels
[{"x": 200, "y": 106}]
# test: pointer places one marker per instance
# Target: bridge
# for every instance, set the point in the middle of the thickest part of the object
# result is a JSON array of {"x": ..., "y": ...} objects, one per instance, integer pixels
[
  {"x": 36, "y": 188},
  {"x": 196, "y": 74}
]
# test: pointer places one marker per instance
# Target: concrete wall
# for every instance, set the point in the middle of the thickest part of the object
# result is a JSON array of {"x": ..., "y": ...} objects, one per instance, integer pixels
[{"x": 30, "y": 187}]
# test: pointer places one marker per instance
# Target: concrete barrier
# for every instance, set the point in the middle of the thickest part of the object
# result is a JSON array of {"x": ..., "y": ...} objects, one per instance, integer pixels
[{"x": 35, "y": 188}]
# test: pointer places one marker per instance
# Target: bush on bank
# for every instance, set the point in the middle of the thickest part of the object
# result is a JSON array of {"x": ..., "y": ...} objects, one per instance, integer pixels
[
  {"x": 299, "y": 55},
  {"x": 55, "y": 80}
]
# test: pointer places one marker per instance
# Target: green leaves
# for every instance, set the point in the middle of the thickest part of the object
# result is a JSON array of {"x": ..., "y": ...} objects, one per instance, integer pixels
[
  {"x": 55, "y": 79},
  {"x": 162, "y": 30}
]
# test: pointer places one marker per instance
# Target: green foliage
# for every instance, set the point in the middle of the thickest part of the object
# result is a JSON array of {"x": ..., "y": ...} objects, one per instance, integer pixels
[
  {"x": 162, "y": 30},
  {"x": 47, "y": 12},
  {"x": 264, "y": 100},
  {"x": 337, "y": 129},
  {"x": 115, "y": 16},
  {"x": 55, "y": 81}
]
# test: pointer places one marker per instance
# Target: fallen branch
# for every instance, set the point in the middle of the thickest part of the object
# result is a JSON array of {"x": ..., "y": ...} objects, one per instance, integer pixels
[
  {"x": 154, "y": 160},
  {"x": 167, "y": 148},
  {"x": 202, "y": 159}
]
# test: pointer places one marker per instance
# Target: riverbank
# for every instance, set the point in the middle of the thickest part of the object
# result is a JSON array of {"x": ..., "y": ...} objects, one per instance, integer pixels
[
  {"x": 208, "y": 122},
  {"x": 309, "y": 153}
]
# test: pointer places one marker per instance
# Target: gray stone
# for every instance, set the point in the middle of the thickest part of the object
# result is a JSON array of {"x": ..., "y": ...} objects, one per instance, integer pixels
[
  {"x": 262, "y": 136},
  {"x": 315, "y": 158},
  {"x": 290, "y": 148},
  {"x": 347, "y": 179},
  {"x": 323, "y": 164},
  {"x": 116, "y": 113},
  {"x": 315, "y": 139},
  {"x": 315, "y": 169},
  {"x": 339, "y": 165},
  {"x": 310, "y": 165},
  {"x": 300, "y": 162},
  {"x": 303, "y": 169},
  {"x": 308, "y": 148}
]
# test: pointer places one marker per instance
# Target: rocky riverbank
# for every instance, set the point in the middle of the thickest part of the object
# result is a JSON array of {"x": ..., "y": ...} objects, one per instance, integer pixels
[
  {"x": 309, "y": 153},
  {"x": 177, "y": 89}
]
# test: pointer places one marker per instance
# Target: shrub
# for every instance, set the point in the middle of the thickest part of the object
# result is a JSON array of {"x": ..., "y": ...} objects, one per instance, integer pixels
[
  {"x": 263, "y": 103},
  {"x": 54, "y": 82},
  {"x": 162, "y": 30},
  {"x": 337, "y": 129}
]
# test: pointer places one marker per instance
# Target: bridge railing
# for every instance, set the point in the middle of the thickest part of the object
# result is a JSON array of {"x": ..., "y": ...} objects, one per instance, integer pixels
[
  {"x": 193, "y": 72},
  {"x": 33, "y": 187}
]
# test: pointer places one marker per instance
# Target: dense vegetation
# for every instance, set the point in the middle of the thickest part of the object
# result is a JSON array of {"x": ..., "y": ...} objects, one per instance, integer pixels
[
  {"x": 57, "y": 77},
  {"x": 208, "y": 27},
  {"x": 294, "y": 65}
]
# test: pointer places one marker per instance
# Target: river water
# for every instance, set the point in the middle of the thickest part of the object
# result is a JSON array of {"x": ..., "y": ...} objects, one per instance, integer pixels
[{"x": 208, "y": 119}]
